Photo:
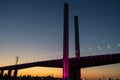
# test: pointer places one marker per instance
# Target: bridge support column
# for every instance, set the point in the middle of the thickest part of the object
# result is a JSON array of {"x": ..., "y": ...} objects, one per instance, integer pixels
[
  {"x": 1, "y": 73},
  {"x": 66, "y": 43},
  {"x": 9, "y": 72},
  {"x": 75, "y": 74},
  {"x": 15, "y": 72}
]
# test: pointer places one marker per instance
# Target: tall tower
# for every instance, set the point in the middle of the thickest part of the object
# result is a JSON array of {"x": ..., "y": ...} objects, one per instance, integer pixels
[
  {"x": 66, "y": 43},
  {"x": 77, "y": 47},
  {"x": 75, "y": 73}
]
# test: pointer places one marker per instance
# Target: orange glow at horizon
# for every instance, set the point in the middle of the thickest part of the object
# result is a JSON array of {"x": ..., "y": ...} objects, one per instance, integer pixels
[
  {"x": 92, "y": 72},
  {"x": 41, "y": 71}
]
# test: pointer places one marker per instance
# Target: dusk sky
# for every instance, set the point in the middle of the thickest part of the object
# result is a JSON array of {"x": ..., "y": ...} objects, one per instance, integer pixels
[{"x": 33, "y": 30}]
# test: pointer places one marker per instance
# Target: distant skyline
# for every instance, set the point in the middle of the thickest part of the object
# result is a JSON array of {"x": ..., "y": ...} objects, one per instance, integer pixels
[{"x": 33, "y": 29}]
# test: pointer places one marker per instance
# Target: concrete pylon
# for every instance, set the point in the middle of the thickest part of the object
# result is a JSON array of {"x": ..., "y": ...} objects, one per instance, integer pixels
[
  {"x": 15, "y": 72},
  {"x": 1, "y": 73},
  {"x": 75, "y": 73},
  {"x": 9, "y": 72},
  {"x": 66, "y": 43},
  {"x": 77, "y": 46}
]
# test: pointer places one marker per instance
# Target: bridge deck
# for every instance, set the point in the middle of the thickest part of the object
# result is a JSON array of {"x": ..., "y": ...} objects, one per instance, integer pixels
[{"x": 81, "y": 62}]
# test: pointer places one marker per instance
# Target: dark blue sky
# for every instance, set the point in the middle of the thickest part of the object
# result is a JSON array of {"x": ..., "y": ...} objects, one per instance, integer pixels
[{"x": 31, "y": 28}]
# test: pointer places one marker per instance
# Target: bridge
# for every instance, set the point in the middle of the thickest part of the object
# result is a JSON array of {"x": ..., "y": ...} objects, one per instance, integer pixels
[
  {"x": 80, "y": 62},
  {"x": 71, "y": 66}
]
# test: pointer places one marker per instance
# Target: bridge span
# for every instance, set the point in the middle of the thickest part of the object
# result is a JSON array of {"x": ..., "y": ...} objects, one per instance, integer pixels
[{"x": 79, "y": 62}]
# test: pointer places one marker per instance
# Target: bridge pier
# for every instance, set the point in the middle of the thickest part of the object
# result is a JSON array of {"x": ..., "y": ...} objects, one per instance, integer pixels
[
  {"x": 75, "y": 74},
  {"x": 9, "y": 72},
  {"x": 1, "y": 73},
  {"x": 15, "y": 72}
]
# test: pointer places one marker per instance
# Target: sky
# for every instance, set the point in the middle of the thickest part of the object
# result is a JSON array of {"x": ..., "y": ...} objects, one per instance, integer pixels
[{"x": 33, "y": 30}]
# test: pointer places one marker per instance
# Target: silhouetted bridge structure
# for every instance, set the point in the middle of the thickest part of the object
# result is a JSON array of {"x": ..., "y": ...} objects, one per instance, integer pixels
[
  {"x": 71, "y": 66},
  {"x": 81, "y": 62}
]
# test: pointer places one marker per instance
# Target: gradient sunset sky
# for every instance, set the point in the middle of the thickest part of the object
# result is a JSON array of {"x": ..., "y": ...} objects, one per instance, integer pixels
[{"x": 33, "y": 30}]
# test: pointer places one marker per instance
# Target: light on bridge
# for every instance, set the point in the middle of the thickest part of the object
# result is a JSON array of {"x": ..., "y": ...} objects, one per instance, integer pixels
[
  {"x": 118, "y": 44},
  {"x": 91, "y": 49},
  {"x": 108, "y": 46},
  {"x": 99, "y": 47}
]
